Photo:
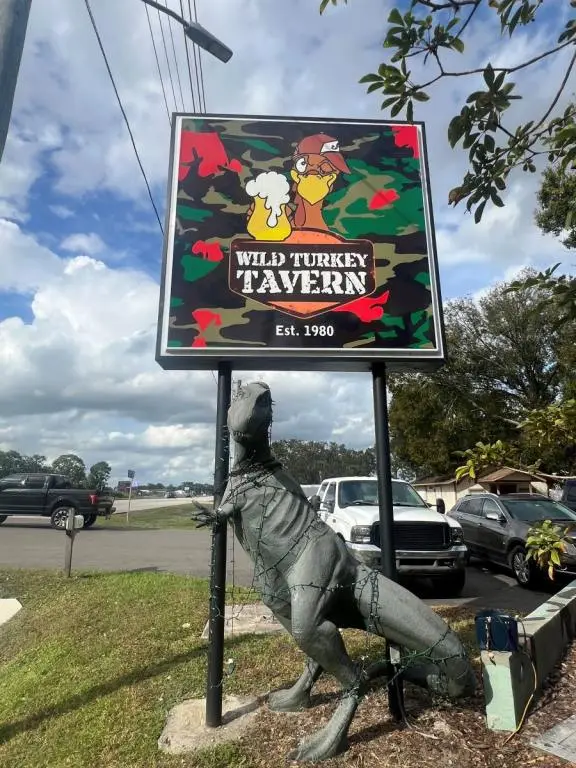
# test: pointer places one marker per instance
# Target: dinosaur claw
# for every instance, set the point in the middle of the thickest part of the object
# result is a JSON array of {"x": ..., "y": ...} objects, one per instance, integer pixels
[
  {"x": 320, "y": 746},
  {"x": 287, "y": 700}
]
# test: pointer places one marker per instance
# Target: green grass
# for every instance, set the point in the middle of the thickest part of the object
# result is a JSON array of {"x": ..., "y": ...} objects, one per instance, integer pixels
[
  {"x": 91, "y": 665},
  {"x": 174, "y": 516}
]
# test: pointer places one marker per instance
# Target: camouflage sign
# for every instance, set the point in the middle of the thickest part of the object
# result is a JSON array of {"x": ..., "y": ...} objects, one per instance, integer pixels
[{"x": 297, "y": 243}]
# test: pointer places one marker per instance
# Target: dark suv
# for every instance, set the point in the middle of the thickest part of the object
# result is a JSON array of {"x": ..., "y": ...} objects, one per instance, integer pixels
[
  {"x": 495, "y": 529},
  {"x": 569, "y": 494}
]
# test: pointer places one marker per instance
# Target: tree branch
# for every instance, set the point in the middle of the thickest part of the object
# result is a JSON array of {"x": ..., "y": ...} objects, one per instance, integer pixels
[
  {"x": 559, "y": 92},
  {"x": 508, "y": 70},
  {"x": 468, "y": 20},
  {"x": 454, "y": 5}
]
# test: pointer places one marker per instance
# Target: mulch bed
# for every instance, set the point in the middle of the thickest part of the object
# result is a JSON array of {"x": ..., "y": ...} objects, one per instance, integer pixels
[{"x": 441, "y": 734}]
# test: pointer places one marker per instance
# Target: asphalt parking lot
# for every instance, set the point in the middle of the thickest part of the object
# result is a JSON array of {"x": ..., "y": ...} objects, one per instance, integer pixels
[{"x": 32, "y": 543}]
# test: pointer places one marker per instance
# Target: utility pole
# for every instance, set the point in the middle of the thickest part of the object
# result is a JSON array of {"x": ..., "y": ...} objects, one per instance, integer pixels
[{"x": 13, "y": 23}]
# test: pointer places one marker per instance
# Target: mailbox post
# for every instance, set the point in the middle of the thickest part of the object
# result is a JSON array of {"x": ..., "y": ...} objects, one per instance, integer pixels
[{"x": 74, "y": 523}]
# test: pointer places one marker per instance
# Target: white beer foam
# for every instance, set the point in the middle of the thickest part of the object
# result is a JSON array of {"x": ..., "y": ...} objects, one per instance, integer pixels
[{"x": 274, "y": 189}]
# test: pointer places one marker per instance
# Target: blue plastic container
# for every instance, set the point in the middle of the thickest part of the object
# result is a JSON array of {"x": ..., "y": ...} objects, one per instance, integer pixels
[{"x": 496, "y": 631}]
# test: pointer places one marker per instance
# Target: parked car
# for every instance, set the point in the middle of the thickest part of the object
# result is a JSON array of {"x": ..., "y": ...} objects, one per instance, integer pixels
[
  {"x": 52, "y": 496},
  {"x": 427, "y": 543},
  {"x": 495, "y": 529},
  {"x": 568, "y": 497}
]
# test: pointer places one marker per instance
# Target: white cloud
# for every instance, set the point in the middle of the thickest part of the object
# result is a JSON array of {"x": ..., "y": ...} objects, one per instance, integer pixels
[
  {"x": 24, "y": 265},
  {"x": 90, "y": 244},
  {"x": 81, "y": 377},
  {"x": 62, "y": 211}
]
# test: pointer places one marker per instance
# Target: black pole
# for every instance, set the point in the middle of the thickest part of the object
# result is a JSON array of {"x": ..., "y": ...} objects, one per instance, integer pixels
[
  {"x": 218, "y": 569},
  {"x": 386, "y": 509}
]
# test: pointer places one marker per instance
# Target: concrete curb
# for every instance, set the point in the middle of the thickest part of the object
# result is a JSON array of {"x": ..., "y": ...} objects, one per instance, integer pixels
[
  {"x": 511, "y": 678},
  {"x": 9, "y": 607}
]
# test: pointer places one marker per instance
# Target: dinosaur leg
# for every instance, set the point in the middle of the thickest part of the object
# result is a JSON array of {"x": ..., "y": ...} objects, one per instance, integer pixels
[
  {"x": 297, "y": 698},
  {"x": 439, "y": 660},
  {"x": 322, "y": 642}
]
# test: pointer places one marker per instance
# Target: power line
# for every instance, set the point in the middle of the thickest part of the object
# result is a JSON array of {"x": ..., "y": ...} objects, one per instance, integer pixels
[
  {"x": 158, "y": 64},
  {"x": 186, "y": 44},
  {"x": 167, "y": 60},
  {"x": 175, "y": 57},
  {"x": 124, "y": 115},
  {"x": 200, "y": 60}
]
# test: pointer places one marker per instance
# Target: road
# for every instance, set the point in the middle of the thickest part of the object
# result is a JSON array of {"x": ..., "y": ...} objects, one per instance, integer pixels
[
  {"x": 143, "y": 503},
  {"x": 32, "y": 543}
]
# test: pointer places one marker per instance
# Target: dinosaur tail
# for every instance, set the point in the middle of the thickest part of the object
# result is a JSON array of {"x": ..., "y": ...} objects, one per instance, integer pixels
[{"x": 432, "y": 654}]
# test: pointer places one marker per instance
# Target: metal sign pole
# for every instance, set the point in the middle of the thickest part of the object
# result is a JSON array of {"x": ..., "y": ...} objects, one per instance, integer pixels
[
  {"x": 218, "y": 569},
  {"x": 386, "y": 507},
  {"x": 129, "y": 500}
]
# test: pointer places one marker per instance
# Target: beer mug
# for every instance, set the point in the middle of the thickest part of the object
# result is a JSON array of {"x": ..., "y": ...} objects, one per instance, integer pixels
[{"x": 268, "y": 219}]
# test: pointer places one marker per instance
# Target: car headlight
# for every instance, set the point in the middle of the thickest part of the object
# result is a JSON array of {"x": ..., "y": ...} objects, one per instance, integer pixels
[
  {"x": 456, "y": 535},
  {"x": 361, "y": 534}
]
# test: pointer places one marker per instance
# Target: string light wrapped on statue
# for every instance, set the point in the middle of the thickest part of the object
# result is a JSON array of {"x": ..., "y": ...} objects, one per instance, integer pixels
[{"x": 314, "y": 586}]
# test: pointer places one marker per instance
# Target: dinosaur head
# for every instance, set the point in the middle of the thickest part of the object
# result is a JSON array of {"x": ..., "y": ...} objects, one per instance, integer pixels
[{"x": 250, "y": 414}]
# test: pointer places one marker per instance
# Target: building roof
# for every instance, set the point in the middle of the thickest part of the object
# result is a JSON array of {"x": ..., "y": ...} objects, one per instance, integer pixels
[
  {"x": 504, "y": 472},
  {"x": 492, "y": 477}
]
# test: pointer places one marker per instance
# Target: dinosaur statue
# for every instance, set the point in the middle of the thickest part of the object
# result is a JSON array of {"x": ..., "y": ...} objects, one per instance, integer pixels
[{"x": 314, "y": 586}]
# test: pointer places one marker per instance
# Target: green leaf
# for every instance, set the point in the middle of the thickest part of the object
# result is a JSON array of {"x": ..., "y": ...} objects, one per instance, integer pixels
[
  {"x": 374, "y": 87},
  {"x": 395, "y": 17},
  {"x": 458, "y": 45},
  {"x": 397, "y": 108},
  {"x": 496, "y": 199},
  {"x": 372, "y": 78},
  {"x": 489, "y": 76},
  {"x": 489, "y": 143},
  {"x": 388, "y": 102},
  {"x": 455, "y": 130},
  {"x": 420, "y": 96},
  {"x": 479, "y": 211},
  {"x": 410, "y": 111}
]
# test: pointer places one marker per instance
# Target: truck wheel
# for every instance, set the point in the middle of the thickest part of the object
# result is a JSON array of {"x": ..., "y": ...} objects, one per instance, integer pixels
[
  {"x": 58, "y": 518},
  {"x": 523, "y": 570},
  {"x": 89, "y": 520},
  {"x": 3, "y": 518},
  {"x": 450, "y": 586}
]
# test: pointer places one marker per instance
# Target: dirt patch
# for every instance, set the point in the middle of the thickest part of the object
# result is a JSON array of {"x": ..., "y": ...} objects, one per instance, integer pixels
[{"x": 441, "y": 733}]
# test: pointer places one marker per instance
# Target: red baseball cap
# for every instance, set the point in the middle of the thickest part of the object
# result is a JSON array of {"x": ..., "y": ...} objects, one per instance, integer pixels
[{"x": 322, "y": 144}]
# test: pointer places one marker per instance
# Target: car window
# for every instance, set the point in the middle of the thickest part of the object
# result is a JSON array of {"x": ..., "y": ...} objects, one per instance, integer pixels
[
  {"x": 13, "y": 482},
  {"x": 491, "y": 506},
  {"x": 35, "y": 481},
  {"x": 366, "y": 492},
  {"x": 571, "y": 492},
  {"x": 331, "y": 493},
  {"x": 61, "y": 482},
  {"x": 471, "y": 506},
  {"x": 533, "y": 510},
  {"x": 322, "y": 489}
]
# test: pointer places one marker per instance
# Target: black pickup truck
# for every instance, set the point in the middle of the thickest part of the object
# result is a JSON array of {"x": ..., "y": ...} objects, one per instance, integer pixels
[{"x": 51, "y": 496}]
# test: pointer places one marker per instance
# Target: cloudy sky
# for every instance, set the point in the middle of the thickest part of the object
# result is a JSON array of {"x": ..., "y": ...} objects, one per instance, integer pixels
[{"x": 80, "y": 247}]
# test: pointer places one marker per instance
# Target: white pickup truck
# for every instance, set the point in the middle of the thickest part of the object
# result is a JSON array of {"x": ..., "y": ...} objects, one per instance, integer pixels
[{"x": 428, "y": 544}]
